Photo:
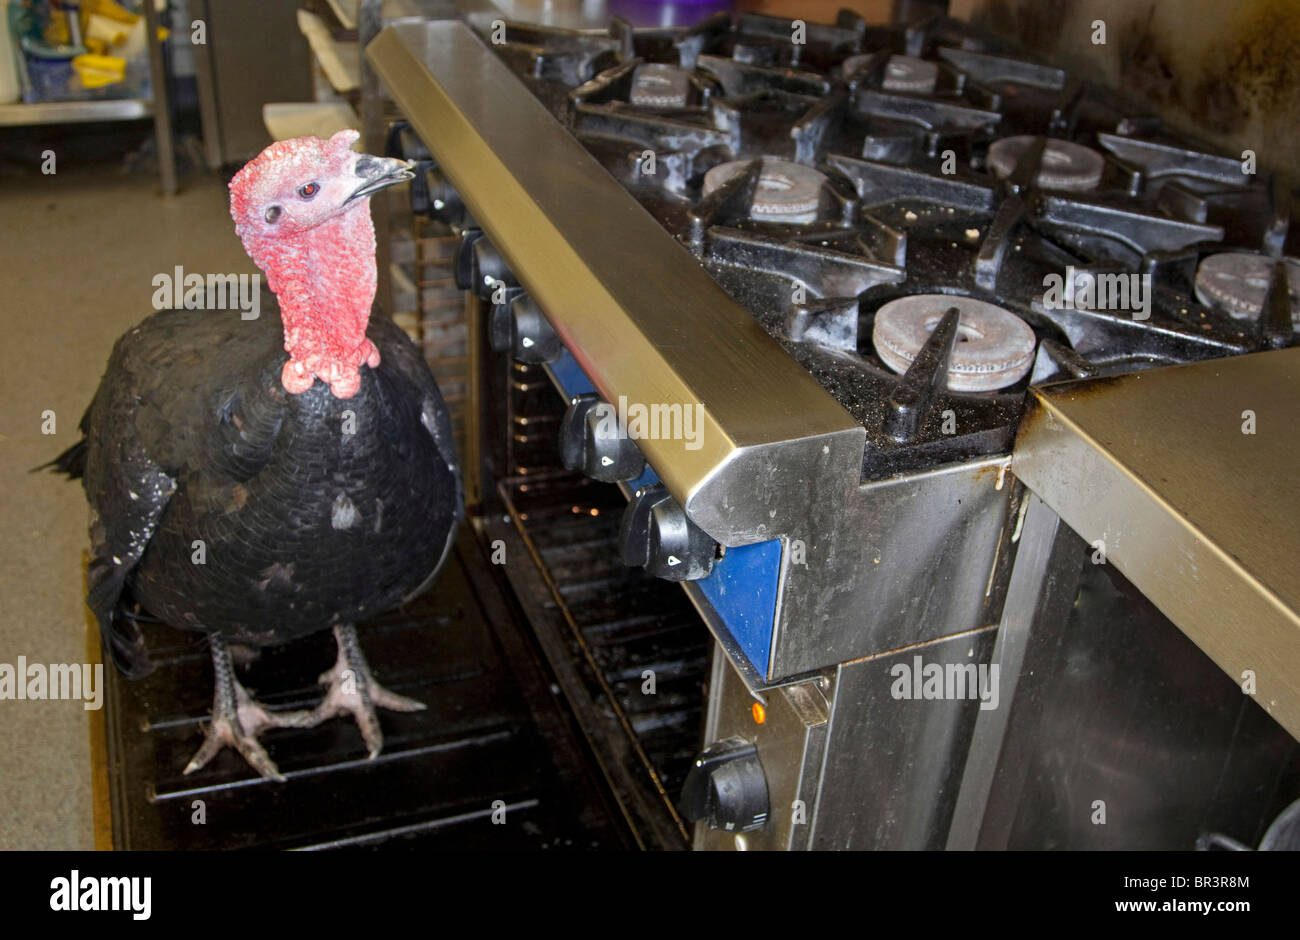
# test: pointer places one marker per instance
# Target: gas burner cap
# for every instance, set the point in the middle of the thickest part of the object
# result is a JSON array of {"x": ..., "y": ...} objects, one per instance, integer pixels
[
  {"x": 902, "y": 73},
  {"x": 1065, "y": 165},
  {"x": 1236, "y": 282},
  {"x": 658, "y": 85},
  {"x": 994, "y": 347},
  {"x": 786, "y": 192}
]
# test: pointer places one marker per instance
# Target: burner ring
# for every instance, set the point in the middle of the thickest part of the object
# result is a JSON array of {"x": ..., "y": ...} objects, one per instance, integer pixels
[
  {"x": 659, "y": 85},
  {"x": 786, "y": 192},
  {"x": 1065, "y": 165},
  {"x": 1236, "y": 283},
  {"x": 994, "y": 347},
  {"x": 908, "y": 73},
  {"x": 902, "y": 73}
]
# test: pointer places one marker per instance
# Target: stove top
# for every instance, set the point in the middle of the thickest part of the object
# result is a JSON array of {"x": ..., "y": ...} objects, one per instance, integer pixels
[
  {"x": 926, "y": 219},
  {"x": 846, "y": 253}
]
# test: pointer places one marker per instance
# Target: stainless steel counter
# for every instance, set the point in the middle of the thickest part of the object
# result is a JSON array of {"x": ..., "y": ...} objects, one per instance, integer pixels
[{"x": 1197, "y": 507}]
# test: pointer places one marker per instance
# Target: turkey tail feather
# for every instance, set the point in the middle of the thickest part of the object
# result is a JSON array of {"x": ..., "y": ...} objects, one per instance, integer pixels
[
  {"x": 71, "y": 462},
  {"x": 120, "y": 636},
  {"x": 125, "y": 646}
]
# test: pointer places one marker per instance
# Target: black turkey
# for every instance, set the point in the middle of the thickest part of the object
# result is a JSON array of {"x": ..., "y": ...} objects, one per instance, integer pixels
[{"x": 260, "y": 480}]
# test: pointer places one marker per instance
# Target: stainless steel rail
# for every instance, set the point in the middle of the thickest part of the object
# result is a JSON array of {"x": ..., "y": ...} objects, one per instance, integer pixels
[{"x": 639, "y": 315}]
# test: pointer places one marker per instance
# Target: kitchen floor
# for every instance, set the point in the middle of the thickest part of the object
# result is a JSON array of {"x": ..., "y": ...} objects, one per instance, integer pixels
[{"x": 80, "y": 250}]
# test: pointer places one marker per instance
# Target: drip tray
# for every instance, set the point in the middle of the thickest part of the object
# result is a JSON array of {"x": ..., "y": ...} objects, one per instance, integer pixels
[{"x": 494, "y": 735}]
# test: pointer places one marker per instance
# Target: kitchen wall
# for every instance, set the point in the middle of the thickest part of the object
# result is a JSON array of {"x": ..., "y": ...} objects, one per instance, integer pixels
[{"x": 1228, "y": 73}]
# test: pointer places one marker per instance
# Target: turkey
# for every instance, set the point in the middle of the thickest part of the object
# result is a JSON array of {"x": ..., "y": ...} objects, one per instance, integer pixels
[{"x": 257, "y": 481}]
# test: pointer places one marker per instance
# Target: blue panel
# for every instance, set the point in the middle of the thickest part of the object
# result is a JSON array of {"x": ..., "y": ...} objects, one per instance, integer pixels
[
  {"x": 742, "y": 586},
  {"x": 570, "y": 376},
  {"x": 742, "y": 589},
  {"x": 645, "y": 479}
]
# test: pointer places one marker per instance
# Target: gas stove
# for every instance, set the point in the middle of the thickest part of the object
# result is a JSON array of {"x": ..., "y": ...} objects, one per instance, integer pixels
[
  {"x": 820, "y": 181},
  {"x": 799, "y": 287}
]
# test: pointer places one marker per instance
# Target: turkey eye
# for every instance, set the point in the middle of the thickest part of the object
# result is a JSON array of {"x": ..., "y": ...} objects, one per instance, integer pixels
[
  {"x": 272, "y": 214},
  {"x": 307, "y": 190}
]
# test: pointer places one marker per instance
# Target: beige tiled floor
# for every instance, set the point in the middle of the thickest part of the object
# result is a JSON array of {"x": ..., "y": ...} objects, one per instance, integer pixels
[{"x": 78, "y": 252}]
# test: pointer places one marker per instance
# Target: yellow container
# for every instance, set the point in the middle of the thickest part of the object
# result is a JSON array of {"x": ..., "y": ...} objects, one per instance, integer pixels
[
  {"x": 96, "y": 71},
  {"x": 109, "y": 9}
]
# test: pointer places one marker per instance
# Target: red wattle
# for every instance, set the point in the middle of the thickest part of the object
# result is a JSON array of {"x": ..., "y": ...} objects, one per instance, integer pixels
[{"x": 325, "y": 282}]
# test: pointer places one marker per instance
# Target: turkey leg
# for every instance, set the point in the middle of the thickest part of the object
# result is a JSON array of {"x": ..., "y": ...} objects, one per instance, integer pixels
[{"x": 238, "y": 718}]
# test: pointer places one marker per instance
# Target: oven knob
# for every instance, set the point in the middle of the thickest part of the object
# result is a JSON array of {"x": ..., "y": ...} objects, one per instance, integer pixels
[
  {"x": 490, "y": 271},
  {"x": 419, "y": 188},
  {"x": 501, "y": 324},
  {"x": 404, "y": 143},
  {"x": 465, "y": 276},
  {"x": 443, "y": 202},
  {"x": 590, "y": 441},
  {"x": 657, "y": 535},
  {"x": 726, "y": 788},
  {"x": 534, "y": 340}
]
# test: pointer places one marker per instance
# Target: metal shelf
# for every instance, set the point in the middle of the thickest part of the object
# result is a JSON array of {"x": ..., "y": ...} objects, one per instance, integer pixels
[
  {"x": 75, "y": 112},
  {"x": 115, "y": 109}
]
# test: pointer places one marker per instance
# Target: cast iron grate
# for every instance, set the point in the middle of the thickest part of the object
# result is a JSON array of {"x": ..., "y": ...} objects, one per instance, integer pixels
[{"x": 492, "y": 732}]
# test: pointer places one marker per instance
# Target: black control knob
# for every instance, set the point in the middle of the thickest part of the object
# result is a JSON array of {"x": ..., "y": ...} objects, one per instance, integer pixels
[
  {"x": 443, "y": 202},
  {"x": 657, "y": 535},
  {"x": 433, "y": 197},
  {"x": 726, "y": 789},
  {"x": 533, "y": 339},
  {"x": 466, "y": 278},
  {"x": 404, "y": 143},
  {"x": 501, "y": 324},
  {"x": 419, "y": 188},
  {"x": 590, "y": 441},
  {"x": 490, "y": 271}
]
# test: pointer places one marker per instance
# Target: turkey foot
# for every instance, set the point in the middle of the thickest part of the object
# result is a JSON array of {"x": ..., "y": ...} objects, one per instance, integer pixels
[
  {"x": 353, "y": 690},
  {"x": 238, "y": 718}
]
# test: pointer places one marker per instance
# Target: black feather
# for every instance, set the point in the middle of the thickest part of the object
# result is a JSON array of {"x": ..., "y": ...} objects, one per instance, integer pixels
[
  {"x": 71, "y": 462},
  {"x": 223, "y": 504}
]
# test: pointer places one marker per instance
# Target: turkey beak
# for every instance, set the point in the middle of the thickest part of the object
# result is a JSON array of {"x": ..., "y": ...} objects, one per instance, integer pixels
[{"x": 376, "y": 173}]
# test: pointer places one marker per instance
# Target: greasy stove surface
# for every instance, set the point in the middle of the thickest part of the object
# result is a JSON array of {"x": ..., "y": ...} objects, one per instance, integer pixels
[
  {"x": 493, "y": 731},
  {"x": 819, "y": 181}
]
